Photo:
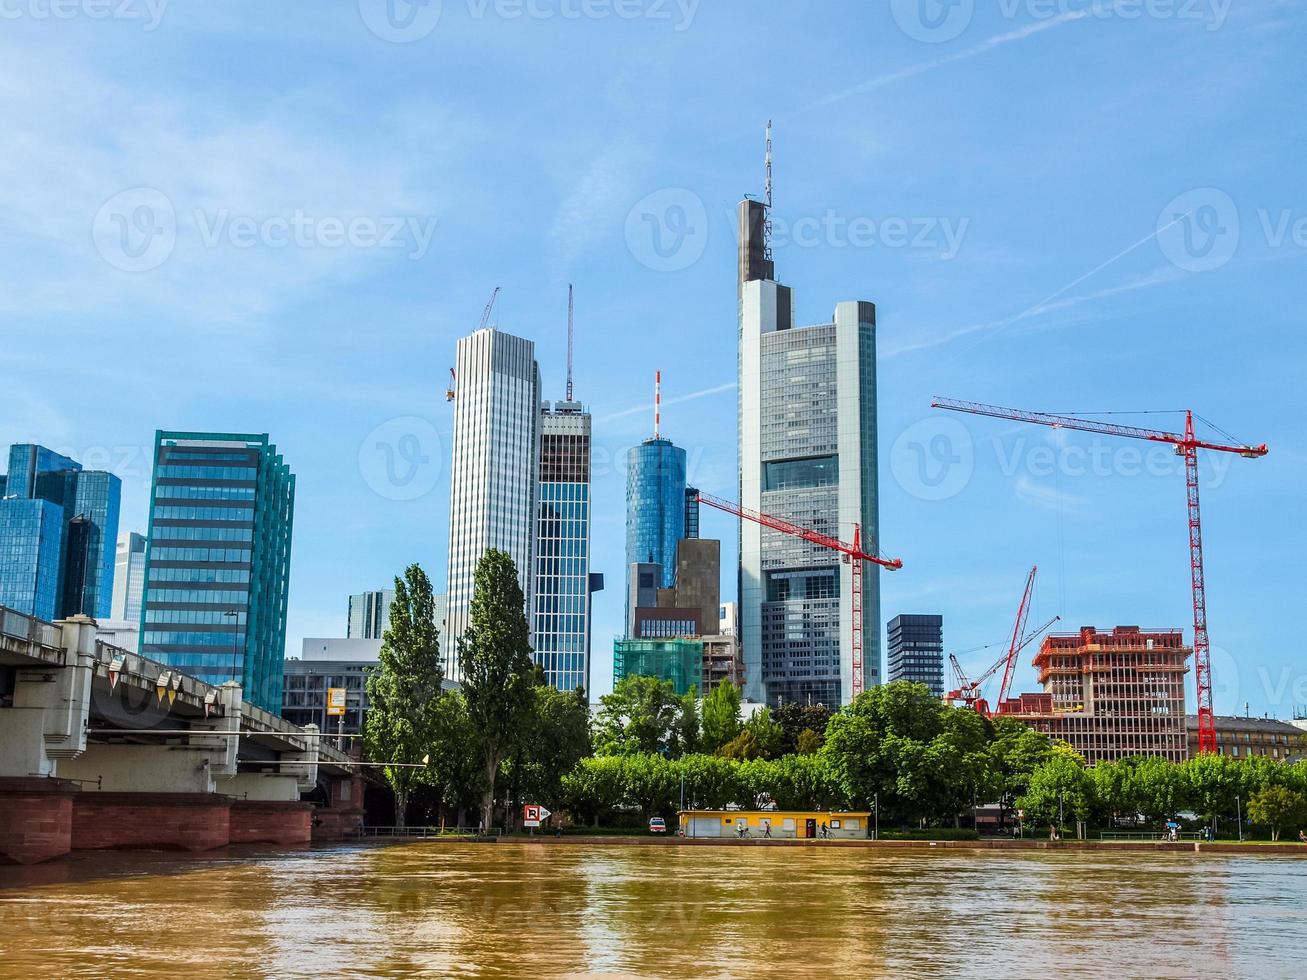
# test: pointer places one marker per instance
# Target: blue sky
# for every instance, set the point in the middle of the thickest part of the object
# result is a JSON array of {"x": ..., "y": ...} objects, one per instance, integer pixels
[{"x": 276, "y": 217}]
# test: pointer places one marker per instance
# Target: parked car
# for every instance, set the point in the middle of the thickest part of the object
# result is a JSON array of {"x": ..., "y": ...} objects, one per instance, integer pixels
[{"x": 657, "y": 825}]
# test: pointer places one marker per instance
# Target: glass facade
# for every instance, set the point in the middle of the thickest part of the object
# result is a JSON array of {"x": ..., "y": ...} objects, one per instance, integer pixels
[
  {"x": 562, "y": 586},
  {"x": 655, "y": 505},
  {"x": 915, "y": 651},
  {"x": 807, "y": 455},
  {"x": 85, "y": 505},
  {"x": 677, "y": 660},
  {"x": 369, "y": 614},
  {"x": 215, "y": 606}
]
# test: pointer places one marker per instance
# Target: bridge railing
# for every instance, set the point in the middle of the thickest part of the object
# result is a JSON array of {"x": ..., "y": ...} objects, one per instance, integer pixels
[
  {"x": 23, "y": 627},
  {"x": 425, "y": 832}
]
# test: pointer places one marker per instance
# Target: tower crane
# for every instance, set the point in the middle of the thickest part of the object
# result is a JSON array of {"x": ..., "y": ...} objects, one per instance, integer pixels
[
  {"x": 969, "y": 691},
  {"x": 852, "y": 552},
  {"x": 1186, "y": 445},
  {"x": 485, "y": 319}
]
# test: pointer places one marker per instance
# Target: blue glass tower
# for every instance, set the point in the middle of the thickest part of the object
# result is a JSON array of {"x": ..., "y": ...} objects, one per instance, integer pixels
[
  {"x": 58, "y": 535},
  {"x": 217, "y": 566},
  {"x": 655, "y": 505}
]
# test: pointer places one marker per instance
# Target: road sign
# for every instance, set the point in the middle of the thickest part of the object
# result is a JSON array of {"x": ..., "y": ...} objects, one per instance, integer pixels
[
  {"x": 335, "y": 701},
  {"x": 533, "y": 814}
]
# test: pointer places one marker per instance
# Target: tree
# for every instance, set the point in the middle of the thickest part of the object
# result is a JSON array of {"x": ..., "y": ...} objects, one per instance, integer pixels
[
  {"x": 721, "y": 716},
  {"x": 809, "y": 743},
  {"x": 1016, "y": 751},
  {"x": 766, "y": 733},
  {"x": 743, "y": 747},
  {"x": 404, "y": 691},
  {"x": 495, "y": 657},
  {"x": 1212, "y": 783},
  {"x": 686, "y": 732},
  {"x": 640, "y": 716},
  {"x": 1156, "y": 788},
  {"x": 1060, "y": 787},
  {"x": 553, "y": 738},
  {"x": 795, "y": 719},
  {"x": 1278, "y": 808}
]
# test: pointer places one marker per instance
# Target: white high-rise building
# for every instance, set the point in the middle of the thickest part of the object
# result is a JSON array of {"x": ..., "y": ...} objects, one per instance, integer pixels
[
  {"x": 808, "y": 455},
  {"x": 493, "y": 479},
  {"x": 369, "y": 614},
  {"x": 128, "y": 578}
]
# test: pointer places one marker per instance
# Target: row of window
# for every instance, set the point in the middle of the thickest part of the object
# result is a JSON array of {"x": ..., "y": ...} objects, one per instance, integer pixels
[
  {"x": 172, "y": 453},
  {"x": 187, "y": 491},
  {"x": 223, "y": 597},
  {"x": 170, "y": 532},
  {"x": 184, "y": 472},
  {"x": 196, "y": 616},
  {"x": 188, "y": 513},
  {"x": 220, "y": 575},
  {"x": 177, "y": 638},
  {"x": 200, "y": 554}
]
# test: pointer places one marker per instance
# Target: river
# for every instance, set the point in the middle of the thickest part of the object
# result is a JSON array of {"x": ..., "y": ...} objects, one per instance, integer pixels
[{"x": 442, "y": 909}]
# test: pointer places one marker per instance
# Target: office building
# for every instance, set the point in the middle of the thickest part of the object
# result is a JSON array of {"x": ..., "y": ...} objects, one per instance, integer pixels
[
  {"x": 655, "y": 505},
  {"x": 218, "y": 560},
  {"x": 1241, "y": 737},
  {"x": 494, "y": 476},
  {"x": 58, "y": 533},
  {"x": 1110, "y": 695},
  {"x": 562, "y": 582},
  {"x": 369, "y": 614},
  {"x": 728, "y": 618},
  {"x": 642, "y": 580},
  {"x": 807, "y": 442},
  {"x": 129, "y": 579},
  {"x": 691, "y": 512},
  {"x": 692, "y": 606},
  {"x": 916, "y": 651}
]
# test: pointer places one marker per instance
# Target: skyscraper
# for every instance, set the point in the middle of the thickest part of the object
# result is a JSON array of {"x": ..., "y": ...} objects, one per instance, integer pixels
[
  {"x": 493, "y": 479},
  {"x": 218, "y": 560},
  {"x": 129, "y": 578},
  {"x": 58, "y": 529},
  {"x": 916, "y": 651},
  {"x": 807, "y": 442},
  {"x": 562, "y": 586},
  {"x": 369, "y": 614}
]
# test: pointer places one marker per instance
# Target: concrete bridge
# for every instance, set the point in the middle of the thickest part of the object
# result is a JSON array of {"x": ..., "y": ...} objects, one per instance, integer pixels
[{"x": 100, "y": 748}]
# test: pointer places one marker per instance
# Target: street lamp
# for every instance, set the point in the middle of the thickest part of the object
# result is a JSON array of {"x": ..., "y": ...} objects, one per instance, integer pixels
[{"x": 1239, "y": 810}]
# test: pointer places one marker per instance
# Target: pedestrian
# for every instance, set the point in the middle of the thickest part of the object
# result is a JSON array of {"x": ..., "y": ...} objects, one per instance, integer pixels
[{"x": 766, "y": 829}]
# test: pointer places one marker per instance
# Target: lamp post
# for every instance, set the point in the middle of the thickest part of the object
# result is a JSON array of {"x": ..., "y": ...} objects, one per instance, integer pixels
[
  {"x": 876, "y": 814},
  {"x": 1238, "y": 802},
  {"x": 234, "y": 616}
]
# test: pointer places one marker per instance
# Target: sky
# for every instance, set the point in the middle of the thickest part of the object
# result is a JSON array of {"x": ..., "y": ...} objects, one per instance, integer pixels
[{"x": 280, "y": 217}]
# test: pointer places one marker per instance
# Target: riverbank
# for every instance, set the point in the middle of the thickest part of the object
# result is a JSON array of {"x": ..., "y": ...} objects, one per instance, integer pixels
[{"x": 1280, "y": 849}]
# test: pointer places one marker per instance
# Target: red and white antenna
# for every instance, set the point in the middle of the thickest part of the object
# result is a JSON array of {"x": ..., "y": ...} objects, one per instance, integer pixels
[
  {"x": 658, "y": 401},
  {"x": 569, "y": 341}
]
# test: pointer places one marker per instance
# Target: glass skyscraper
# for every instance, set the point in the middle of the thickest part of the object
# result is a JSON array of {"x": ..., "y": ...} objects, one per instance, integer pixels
[
  {"x": 369, "y": 614},
  {"x": 916, "y": 651},
  {"x": 807, "y": 455},
  {"x": 655, "y": 505},
  {"x": 58, "y": 532},
  {"x": 562, "y": 586},
  {"x": 129, "y": 578},
  {"x": 495, "y": 471},
  {"x": 218, "y": 560}
]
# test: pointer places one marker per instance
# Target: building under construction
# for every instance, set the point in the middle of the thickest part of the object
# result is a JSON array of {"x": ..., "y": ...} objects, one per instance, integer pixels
[{"x": 1110, "y": 695}]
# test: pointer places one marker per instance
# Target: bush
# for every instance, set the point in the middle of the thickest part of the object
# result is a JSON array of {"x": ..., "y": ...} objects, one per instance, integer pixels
[{"x": 932, "y": 833}]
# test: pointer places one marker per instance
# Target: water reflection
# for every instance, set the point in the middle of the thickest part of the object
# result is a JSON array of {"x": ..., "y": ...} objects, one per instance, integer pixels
[{"x": 559, "y": 909}]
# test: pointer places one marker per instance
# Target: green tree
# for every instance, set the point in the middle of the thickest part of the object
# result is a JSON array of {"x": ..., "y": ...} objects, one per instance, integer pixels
[
  {"x": 640, "y": 716},
  {"x": 721, "y": 716},
  {"x": 404, "y": 692},
  {"x": 1059, "y": 788},
  {"x": 455, "y": 770},
  {"x": 687, "y": 731},
  {"x": 711, "y": 782},
  {"x": 595, "y": 786},
  {"x": 495, "y": 657},
  {"x": 1016, "y": 751},
  {"x": 553, "y": 739},
  {"x": 743, "y": 747},
  {"x": 1212, "y": 783},
  {"x": 1278, "y": 808},
  {"x": 795, "y": 719},
  {"x": 766, "y": 733},
  {"x": 1156, "y": 788},
  {"x": 809, "y": 743}
]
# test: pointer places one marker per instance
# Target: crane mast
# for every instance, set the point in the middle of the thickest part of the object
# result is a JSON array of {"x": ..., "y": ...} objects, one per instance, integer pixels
[
  {"x": 852, "y": 552},
  {"x": 1186, "y": 445}
]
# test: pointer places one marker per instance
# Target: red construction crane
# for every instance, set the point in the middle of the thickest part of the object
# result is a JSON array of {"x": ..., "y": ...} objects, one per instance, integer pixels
[
  {"x": 852, "y": 553},
  {"x": 1186, "y": 445},
  {"x": 968, "y": 691}
]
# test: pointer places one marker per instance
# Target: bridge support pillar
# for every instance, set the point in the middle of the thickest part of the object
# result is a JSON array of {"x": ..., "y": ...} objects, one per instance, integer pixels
[
  {"x": 174, "y": 821},
  {"x": 270, "y": 822},
  {"x": 343, "y": 814},
  {"x": 36, "y": 818}
]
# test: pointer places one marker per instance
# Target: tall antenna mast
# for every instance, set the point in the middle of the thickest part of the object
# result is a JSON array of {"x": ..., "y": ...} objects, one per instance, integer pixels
[
  {"x": 658, "y": 401},
  {"x": 569, "y": 341},
  {"x": 766, "y": 219}
]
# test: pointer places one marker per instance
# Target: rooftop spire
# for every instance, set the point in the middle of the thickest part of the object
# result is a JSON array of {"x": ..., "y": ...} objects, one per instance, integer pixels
[
  {"x": 658, "y": 401},
  {"x": 766, "y": 221}
]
